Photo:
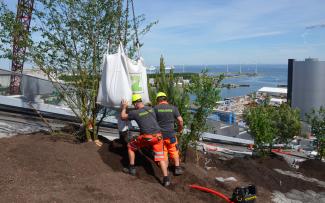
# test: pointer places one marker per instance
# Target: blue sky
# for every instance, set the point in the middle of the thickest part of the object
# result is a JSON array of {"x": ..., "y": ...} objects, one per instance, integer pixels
[{"x": 232, "y": 31}]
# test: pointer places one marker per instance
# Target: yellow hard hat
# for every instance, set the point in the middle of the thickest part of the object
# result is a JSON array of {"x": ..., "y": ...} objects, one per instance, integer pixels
[
  {"x": 136, "y": 97},
  {"x": 161, "y": 94}
]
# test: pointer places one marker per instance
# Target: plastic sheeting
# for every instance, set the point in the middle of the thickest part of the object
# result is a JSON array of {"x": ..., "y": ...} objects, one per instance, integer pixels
[{"x": 121, "y": 77}]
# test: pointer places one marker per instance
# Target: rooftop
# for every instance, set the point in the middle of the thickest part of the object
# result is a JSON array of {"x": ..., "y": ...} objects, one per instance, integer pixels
[{"x": 273, "y": 90}]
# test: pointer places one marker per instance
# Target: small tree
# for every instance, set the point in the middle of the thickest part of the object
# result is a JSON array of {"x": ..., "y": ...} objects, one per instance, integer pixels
[
  {"x": 316, "y": 118},
  {"x": 73, "y": 37},
  {"x": 206, "y": 89},
  {"x": 161, "y": 79},
  {"x": 269, "y": 124},
  {"x": 161, "y": 83},
  {"x": 261, "y": 126},
  {"x": 287, "y": 123}
]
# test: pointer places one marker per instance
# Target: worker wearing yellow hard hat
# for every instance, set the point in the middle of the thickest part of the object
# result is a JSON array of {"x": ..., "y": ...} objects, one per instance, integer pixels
[
  {"x": 167, "y": 115},
  {"x": 150, "y": 135},
  {"x": 136, "y": 97},
  {"x": 161, "y": 94}
]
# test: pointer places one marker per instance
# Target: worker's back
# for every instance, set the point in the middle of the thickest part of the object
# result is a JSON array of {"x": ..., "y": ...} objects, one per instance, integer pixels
[
  {"x": 166, "y": 116},
  {"x": 146, "y": 120}
]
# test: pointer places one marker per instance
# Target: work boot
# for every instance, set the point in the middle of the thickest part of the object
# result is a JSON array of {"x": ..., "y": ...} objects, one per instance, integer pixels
[
  {"x": 130, "y": 170},
  {"x": 166, "y": 181},
  {"x": 178, "y": 170}
]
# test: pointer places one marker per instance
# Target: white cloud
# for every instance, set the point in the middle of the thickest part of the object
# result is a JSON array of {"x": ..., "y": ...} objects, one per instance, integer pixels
[{"x": 253, "y": 35}]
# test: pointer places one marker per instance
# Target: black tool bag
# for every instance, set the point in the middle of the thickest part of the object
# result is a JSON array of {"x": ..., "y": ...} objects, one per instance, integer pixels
[{"x": 244, "y": 194}]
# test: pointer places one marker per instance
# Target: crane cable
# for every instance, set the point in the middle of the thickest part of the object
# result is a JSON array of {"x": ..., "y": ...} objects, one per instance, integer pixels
[
  {"x": 126, "y": 23},
  {"x": 119, "y": 22},
  {"x": 137, "y": 43}
]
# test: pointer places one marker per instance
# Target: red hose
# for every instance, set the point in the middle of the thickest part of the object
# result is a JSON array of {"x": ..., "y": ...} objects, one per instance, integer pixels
[
  {"x": 212, "y": 192},
  {"x": 280, "y": 152}
]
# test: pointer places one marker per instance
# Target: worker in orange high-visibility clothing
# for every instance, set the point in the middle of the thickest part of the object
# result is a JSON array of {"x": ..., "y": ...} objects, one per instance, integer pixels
[
  {"x": 150, "y": 135},
  {"x": 167, "y": 114}
]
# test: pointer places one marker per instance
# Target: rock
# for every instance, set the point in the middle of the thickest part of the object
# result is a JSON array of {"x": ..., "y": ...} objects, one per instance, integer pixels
[{"x": 230, "y": 179}]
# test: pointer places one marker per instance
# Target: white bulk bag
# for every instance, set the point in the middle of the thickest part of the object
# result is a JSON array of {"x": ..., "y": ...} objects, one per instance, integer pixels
[
  {"x": 115, "y": 84},
  {"x": 122, "y": 77}
]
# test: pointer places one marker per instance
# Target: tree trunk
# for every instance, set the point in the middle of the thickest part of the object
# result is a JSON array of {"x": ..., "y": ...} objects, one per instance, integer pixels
[{"x": 88, "y": 135}]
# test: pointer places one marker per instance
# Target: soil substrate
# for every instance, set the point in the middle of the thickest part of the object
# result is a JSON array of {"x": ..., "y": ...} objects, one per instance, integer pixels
[{"x": 42, "y": 168}]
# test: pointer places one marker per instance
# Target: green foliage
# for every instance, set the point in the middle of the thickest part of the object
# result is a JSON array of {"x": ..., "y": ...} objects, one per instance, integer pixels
[
  {"x": 316, "y": 118},
  {"x": 186, "y": 76},
  {"x": 74, "y": 38},
  {"x": 9, "y": 29},
  {"x": 261, "y": 125},
  {"x": 162, "y": 82},
  {"x": 268, "y": 124},
  {"x": 206, "y": 89},
  {"x": 287, "y": 123}
]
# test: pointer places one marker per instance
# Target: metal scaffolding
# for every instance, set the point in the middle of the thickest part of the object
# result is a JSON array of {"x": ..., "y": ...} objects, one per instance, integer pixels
[{"x": 23, "y": 18}]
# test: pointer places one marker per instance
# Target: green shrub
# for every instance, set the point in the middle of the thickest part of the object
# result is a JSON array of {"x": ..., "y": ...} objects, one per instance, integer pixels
[{"x": 316, "y": 118}]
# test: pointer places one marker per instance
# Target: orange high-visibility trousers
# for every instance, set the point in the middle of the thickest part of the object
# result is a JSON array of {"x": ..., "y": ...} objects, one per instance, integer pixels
[
  {"x": 154, "y": 141},
  {"x": 170, "y": 149}
]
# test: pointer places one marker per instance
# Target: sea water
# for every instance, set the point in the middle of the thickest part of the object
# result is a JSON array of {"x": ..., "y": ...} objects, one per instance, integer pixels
[{"x": 267, "y": 76}]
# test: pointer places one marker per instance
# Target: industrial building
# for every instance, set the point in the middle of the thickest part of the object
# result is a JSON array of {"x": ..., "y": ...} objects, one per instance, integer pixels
[{"x": 306, "y": 82}]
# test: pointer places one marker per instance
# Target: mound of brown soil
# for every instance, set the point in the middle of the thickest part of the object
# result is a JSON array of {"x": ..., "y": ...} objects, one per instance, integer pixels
[
  {"x": 313, "y": 168},
  {"x": 261, "y": 173},
  {"x": 41, "y": 168},
  {"x": 115, "y": 155}
]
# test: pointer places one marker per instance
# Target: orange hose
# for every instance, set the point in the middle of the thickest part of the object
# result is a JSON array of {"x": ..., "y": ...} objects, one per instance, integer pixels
[{"x": 214, "y": 192}]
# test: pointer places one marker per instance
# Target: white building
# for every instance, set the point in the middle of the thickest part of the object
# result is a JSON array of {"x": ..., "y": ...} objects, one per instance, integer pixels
[{"x": 273, "y": 92}]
